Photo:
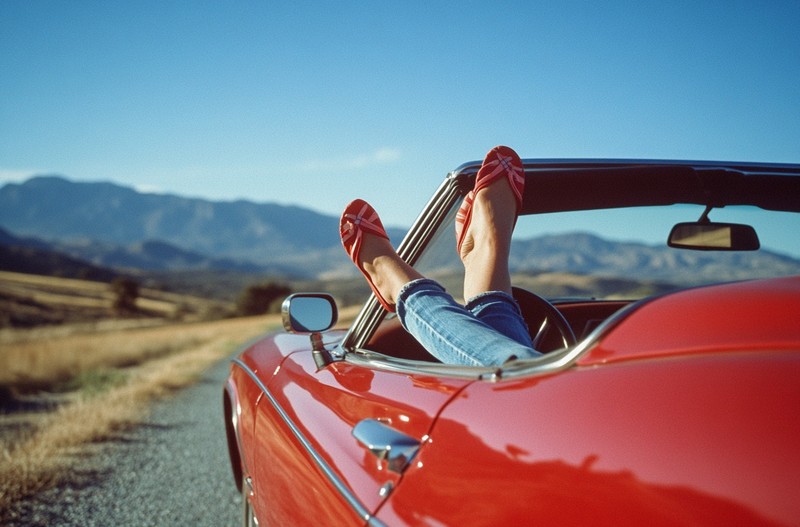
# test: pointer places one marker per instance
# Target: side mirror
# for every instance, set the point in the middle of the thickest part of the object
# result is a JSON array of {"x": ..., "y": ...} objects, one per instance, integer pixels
[
  {"x": 708, "y": 236},
  {"x": 309, "y": 312}
]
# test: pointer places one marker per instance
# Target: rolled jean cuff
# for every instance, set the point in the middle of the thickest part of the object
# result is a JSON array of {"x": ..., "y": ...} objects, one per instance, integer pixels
[
  {"x": 411, "y": 286},
  {"x": 477, "y": 301},
  {"x": 454, "y": 334}
]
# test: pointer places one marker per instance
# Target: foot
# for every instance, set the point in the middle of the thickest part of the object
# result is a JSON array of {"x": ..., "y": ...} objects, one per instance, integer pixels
[
  {"x": 494, "y": 216},
  {"x": 387, "y": 272},
  {"x": 365, "y": 240},
  {"x": 501, "y": 162},
  {"x": 486, "y": 221}
]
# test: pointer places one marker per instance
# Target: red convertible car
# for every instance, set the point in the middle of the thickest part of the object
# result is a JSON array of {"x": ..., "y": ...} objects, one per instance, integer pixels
[{"x": 674, "y": 403}]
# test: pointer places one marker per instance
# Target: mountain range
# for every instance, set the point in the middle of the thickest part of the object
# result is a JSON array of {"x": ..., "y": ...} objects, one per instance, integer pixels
[{"x": 113, "y": 226}]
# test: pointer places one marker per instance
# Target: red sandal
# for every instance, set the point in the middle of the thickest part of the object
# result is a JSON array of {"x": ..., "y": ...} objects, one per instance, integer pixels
[
  {"x": 501, "y": 161},
  {"x": 359, "y": 217}
]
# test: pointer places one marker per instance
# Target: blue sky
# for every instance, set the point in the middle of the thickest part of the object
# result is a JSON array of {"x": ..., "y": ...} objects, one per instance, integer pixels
[{"x": 314, "y": 103}]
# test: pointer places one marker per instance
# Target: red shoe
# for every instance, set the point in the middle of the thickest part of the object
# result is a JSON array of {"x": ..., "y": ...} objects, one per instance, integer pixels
[
  {"x": 359, "y": 217},
  {"x": 501, "y": 161}
]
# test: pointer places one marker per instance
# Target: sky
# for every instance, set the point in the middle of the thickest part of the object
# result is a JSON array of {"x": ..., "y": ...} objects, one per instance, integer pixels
[{"x": 316, "y": 103}]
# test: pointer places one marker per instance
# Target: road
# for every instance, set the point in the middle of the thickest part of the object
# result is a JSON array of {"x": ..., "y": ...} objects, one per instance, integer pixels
[{"x": 171, "y": 470}]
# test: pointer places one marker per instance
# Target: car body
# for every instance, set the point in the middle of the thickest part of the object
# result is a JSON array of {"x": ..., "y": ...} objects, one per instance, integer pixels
[{"x": 677, "y": 408}]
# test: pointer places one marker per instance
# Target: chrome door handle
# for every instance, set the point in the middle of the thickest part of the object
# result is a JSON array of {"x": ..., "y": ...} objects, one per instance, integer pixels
[{"x": 386, "y": 443}]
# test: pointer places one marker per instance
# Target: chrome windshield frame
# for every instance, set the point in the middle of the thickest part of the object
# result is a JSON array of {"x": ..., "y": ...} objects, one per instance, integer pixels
[{"x": 452, "y": 189}]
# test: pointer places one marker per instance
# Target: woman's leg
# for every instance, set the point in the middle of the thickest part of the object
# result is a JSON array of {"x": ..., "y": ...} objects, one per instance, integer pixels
[
  {"x": 453, "y": 334},
  {"x": 500, "y": 311},
  {"x": 384, "y": 268},
  {"x": 484, "y": 248},
  {"x": 491, "y": 330},
  {"x": 487, "y": 242},
  {"x": 484, "y": 252}
]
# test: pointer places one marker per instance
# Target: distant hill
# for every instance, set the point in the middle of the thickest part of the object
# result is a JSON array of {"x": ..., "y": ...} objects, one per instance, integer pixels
[
  {"x": 584, "y": 253},
  {"x": 93, "y": 219},
  {"x": 36, "y": 257},
  {"x": 153, "y": 255},
  {"x": 55, "y": 208},
  {"x": 105, "y": 225}
]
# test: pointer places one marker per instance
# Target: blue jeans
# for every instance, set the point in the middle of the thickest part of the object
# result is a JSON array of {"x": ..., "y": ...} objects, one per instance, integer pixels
[{"x": 488, "y": 331}]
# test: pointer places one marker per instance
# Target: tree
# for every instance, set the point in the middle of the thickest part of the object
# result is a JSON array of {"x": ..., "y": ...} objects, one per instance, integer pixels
[
  {"x": 262, "y": 298},
  {"x": 126, "y": 291}
]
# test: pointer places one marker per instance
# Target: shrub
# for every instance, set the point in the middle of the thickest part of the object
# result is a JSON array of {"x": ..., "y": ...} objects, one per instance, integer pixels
[
  {"x": 126, "y": 291},
  {"x": 262, "y": 298}
]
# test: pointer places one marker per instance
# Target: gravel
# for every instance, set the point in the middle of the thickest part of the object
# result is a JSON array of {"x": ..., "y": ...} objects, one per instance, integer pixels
[{"x": 171, "y": 470}]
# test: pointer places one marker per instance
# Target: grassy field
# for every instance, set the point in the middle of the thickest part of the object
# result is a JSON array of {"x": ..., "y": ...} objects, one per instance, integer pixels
[
  {"x": 64, "y": 387},
  {"x": 28, "y": 300},
  {"x": 108, "y": 378},
  {"x": 43, "y": 359},
  {"x": 81, "y": 372}
]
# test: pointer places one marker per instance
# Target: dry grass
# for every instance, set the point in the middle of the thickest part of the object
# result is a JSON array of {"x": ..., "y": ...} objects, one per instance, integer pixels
[
  {"x": 41, "y": 361},
  {"x": 27, "y": 300},
  {"x": 42, "y": 358},
  {"x": 168, "y": 358},
  {"x": 136, "y": 366}
]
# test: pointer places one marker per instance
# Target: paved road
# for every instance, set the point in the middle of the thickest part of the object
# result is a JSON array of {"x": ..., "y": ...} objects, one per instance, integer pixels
[{"x": 172, "y": 470}]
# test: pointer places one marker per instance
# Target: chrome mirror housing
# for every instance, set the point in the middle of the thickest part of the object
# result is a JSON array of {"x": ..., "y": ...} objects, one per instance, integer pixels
[{"x": 309, "y": 312}]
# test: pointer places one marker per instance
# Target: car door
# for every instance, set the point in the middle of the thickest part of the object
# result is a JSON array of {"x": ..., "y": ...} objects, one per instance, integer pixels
[{"x": 332, "y": 442}]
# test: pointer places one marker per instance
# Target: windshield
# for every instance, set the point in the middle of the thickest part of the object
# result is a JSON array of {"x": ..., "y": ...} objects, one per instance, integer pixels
[{"x": 623, "y": 253}]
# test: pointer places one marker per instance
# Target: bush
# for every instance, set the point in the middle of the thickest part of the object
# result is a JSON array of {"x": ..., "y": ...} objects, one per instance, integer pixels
[
  {"x": 262, "y": 298},
  {"x": 126, "y": 291}
]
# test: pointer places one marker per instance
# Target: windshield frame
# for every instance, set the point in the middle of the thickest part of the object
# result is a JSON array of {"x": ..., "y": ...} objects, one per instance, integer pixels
[{"x": 645, "y": 183}]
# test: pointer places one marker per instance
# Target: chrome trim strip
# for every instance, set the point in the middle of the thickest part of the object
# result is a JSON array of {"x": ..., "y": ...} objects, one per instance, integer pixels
[
  {"x": 561, "y": 360},
  {"x": 369, "y": 359},
  {"x": 565, "y": 162},
  {"x": 544, "y": 365},
  {"x": 409, "y": 250},
  {"x": 340, "y": 486}
]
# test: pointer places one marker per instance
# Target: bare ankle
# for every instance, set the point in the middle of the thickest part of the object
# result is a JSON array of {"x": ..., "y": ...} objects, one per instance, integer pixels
[
  {"x": 485, "y": 249},
  {"x": 388, "y": 272}
]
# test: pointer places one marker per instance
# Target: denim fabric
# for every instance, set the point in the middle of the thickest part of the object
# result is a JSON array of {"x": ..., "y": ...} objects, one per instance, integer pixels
[{"x": 489, "y": 331}]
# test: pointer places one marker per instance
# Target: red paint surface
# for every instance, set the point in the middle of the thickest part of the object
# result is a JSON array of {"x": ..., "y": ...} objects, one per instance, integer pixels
[{"x": 684, "y": 413}]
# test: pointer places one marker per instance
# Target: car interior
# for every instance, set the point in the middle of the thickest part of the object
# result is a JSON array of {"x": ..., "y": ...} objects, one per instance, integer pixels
[{"x": 557, "y": 324}]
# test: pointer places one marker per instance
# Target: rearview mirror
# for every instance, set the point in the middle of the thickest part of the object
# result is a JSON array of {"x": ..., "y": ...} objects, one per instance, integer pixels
[
  {"x": 309, "y": 312},
  {"x": 708, "y": 236}
]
